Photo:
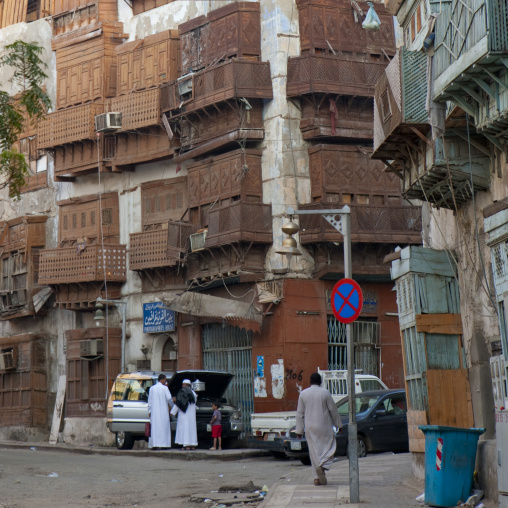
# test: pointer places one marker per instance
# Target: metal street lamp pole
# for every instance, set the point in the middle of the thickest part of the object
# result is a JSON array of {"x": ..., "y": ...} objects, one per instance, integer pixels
[
  {"x": 121, "y": 305},
  {"x": 340, "y": 220}
]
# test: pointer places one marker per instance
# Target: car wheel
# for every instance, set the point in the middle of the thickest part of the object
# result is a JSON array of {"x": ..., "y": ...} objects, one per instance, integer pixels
[
  {"x": 362, "y": 447},
  {"x": 305, "y": 460},
  {"x": 278, "y": 455},
  {"x": 124, "y": 440}
]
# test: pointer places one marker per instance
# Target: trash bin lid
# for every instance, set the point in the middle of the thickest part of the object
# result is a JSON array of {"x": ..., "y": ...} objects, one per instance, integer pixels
[{"x": 442, "y": 429}]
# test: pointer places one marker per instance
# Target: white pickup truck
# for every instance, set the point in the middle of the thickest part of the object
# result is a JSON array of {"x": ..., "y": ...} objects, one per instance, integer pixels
[{"x": 269, "y": 429}]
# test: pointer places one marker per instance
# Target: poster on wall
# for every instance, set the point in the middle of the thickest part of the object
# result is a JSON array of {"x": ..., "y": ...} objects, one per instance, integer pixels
[
  {"x": 157, "y": 318},
  {"x": 261, "y": 366},
  {"x": 278, "y": 380},
  {"x": 259, "y": 387}
]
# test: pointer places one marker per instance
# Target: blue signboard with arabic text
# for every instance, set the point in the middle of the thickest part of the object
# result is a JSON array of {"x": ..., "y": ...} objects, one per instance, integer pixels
[{"x": 157, "y": 318}]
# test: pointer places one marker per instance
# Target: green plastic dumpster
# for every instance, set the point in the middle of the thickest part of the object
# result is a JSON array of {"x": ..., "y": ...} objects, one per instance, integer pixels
[{"x": 450, "y": 455}]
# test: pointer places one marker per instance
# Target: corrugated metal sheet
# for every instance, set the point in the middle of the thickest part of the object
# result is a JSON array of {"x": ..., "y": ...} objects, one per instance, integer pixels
[{"x": 229, "y": 349}]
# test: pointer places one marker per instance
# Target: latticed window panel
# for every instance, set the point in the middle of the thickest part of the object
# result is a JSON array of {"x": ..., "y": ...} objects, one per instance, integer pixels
[
  {"x": 107, "y": 216},
  {"x": 139, "y": 109},
  {"x": 405, "y": 295},
  {"x": 499, "y": 261},
  {"x": 249, "y": 221},
  {"x": 68, "y": 125},
  {"x": 416, "y": 368},
  {"x": 65, "y": 265},
  {"x": 149, "y": 250}
]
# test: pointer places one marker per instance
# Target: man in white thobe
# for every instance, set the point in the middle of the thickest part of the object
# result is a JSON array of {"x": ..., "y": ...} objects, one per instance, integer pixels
[
  {"x": 159, "y": 401},
  {"x": 186, "y": 429},
  {"x": 317, "y": 414}
]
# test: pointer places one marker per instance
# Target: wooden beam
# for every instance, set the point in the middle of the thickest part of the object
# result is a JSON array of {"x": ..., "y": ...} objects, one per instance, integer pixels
[
  {"x": 468, "y": 108},
  {"x": 498, "y": 80},
  {"x": 450, "y": 324},
  {"x": 392, "y": 169},
  {"x": 495, "y": 141},
  {"x": 474, "y": 143},
  {"x": 474, "y": 94},
  {"x": 485, "y": 86},
  {"x": 422, "y": 136}
]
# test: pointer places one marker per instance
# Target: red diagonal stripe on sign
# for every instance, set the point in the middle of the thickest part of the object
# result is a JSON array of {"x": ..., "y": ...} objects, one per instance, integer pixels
[{"x": 346, "y": 300}]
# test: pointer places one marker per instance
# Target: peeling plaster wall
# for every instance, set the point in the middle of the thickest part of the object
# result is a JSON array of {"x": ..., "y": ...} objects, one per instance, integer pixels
[
  {"x": 285, "y": 162},
  {"x": 459, "y": 234}
]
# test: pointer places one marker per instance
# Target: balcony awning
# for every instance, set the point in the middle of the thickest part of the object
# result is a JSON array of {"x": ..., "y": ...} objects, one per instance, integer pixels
[{"x": 233, "y": 312}]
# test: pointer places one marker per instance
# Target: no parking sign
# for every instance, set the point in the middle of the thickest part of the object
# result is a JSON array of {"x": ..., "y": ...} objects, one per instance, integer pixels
[{"x": 346, "y": 300}]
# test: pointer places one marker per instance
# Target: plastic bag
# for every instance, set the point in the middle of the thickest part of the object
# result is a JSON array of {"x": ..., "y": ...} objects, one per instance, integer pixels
[{"x": 371, "y": 21}]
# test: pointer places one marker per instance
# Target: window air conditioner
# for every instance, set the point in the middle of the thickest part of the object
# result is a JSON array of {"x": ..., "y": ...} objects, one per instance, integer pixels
[
  {"x": 185, "y": 88},
  {"x": 7, "y": 360},
  {"x": 91, "y": 347},
  {"x": 197, "y": 240},
  {"x": 108, "y": 122}
]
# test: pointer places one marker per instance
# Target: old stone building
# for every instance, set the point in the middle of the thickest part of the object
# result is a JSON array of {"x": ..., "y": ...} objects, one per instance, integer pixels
[{"x": 231, "y": 112}]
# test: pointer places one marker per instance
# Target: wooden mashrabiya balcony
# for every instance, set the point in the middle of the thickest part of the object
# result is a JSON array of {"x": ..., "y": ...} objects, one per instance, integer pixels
[
  {"x": 94, "y": 263},
  {"x": 234, "y": 79},
  {"x": 333, "y": 74},
  {"x": 369, "y": 223},
  {"x": 471, "y": 62}
]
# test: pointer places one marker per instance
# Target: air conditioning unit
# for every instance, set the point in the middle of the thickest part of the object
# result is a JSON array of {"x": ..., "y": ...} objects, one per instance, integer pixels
[
  {"x": 108, "y": 122},
  {"x": 185, "y": 88},
  {"x": 197, "y": 240},
  {"x": 91, "y": 347},
  {"x": 8, "y": 360}
]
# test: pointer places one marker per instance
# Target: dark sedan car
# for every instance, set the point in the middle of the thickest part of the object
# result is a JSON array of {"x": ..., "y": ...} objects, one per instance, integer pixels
[{"x": 381, "y": 421}]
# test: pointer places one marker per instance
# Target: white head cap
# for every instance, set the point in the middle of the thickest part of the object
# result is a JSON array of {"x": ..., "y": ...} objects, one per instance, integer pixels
[{"x": 186, "y": 382}]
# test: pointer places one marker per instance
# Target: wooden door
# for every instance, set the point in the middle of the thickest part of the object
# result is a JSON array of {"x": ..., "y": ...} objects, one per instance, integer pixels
[{"x": 168, "y": 363}]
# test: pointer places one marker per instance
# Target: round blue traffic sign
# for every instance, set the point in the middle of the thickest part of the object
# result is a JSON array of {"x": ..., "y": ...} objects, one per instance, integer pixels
[{"x": 346, "y": 300}]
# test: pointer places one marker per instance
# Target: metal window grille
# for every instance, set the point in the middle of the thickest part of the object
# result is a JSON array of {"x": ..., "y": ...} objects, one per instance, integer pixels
[
  {"x": 365, "y": 338},
  {"x": 229, "y": 349}
]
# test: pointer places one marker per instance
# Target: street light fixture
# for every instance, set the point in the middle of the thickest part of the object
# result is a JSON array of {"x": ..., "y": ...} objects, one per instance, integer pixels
[
  {"x": 340, "y": 220},
  {"x": 289, "y": 246}
]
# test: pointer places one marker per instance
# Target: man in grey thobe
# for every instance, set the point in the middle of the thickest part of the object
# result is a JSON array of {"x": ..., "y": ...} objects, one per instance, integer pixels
[{"x": 317, "y": 414}]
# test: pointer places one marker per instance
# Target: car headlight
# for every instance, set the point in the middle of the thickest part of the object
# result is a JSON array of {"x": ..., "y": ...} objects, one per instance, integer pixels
[{"x": 236, "y": 415}]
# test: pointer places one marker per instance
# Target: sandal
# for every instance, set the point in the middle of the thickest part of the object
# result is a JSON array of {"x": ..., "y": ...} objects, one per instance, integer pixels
[
  {"x": 212, "y": 449},
  {"x": 321, "y": 475},
  {"x": 317, "y": 483}
]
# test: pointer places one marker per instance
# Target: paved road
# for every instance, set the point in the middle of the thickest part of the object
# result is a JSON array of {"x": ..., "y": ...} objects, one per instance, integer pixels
[{"x": 118, "y": 480}]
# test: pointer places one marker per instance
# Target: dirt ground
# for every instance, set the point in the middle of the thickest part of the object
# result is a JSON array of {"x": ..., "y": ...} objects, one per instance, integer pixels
[{"x": 44, "y": 479}]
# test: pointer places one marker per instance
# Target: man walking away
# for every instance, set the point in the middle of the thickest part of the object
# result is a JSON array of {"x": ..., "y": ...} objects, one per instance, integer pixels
[
  {"x": 317, "y": 414},
  {"x": 159, "y": 398},
  {"x": 186, "y": 430}
]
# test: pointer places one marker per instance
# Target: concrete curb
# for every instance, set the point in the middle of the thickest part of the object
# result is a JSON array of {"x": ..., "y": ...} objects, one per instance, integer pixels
[{"x": 224, "y": 455}]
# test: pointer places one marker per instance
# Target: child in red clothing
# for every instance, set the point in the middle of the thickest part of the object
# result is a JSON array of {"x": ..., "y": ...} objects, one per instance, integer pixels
[{"x": 216, "y": 423}]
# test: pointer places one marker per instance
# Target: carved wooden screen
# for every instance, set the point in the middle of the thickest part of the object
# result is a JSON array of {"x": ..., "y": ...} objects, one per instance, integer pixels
[
  {"x": 89, "y": 380},
  {"x": 162, "y": 201},
  {"x": 18, "y": 11},
  {"x": 80, "y": 219},
  {"x": 23, "y": 389}
]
